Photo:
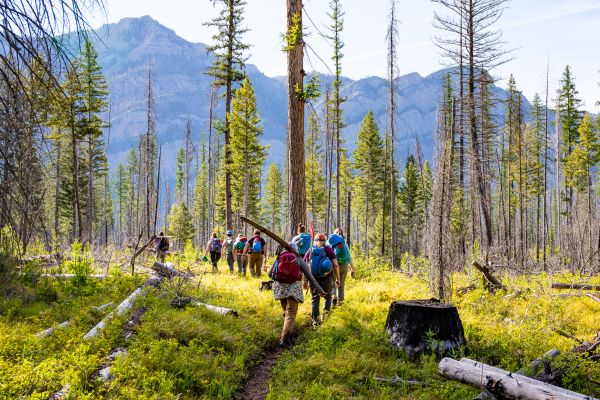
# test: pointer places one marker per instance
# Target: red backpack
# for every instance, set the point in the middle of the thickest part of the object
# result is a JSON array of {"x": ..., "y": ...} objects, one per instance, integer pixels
[{"x": 287, "y": 269}]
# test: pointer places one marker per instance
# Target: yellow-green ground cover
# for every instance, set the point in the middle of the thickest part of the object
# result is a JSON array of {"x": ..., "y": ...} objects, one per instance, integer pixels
[{"x": 194, "y": 353}]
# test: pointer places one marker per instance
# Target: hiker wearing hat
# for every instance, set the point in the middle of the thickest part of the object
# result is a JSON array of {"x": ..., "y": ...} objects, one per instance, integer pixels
[
  {"x": 227, "y": 250},
  {"x": 238, "y": 253},
  {"x": 325, "y": 269},
  {"x": 256, "y": 251},
  {"x": 213, "y": 247},
  {"x": 344, "y": 259}
]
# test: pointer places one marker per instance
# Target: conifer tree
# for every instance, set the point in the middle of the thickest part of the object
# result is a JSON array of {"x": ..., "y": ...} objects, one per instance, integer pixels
[
  {"x": 227, "y": 69},
  {"x": 315, "y": 180},
  {"x": 273, "y": 207},
  {"x": 410, "y": 205},
  {"x": 247, "y": 154},
  {"x": 181, "y": 223},
  {"x": 368, "y": 163}
]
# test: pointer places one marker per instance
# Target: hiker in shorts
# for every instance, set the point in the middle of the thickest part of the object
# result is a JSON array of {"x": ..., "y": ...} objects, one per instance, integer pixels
[
  {"x": 325, "y": 269},
  {"x": 213, "y": 247},
  {"x": 287, "y": 288},
  {"x": 302, "y": 240},
  {"x": 344, "y": 260},
  {"x": 227, "y": 250},
  {"x": 238, "y": 253},
  {"x": 256, "y": 250}
]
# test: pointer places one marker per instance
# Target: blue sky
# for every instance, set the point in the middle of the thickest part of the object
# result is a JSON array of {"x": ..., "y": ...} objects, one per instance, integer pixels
[{"x": 561, "y": 31}]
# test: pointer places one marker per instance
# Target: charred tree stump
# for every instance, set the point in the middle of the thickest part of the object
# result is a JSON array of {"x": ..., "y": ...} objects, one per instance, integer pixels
[{"x": 419, "y": 326}]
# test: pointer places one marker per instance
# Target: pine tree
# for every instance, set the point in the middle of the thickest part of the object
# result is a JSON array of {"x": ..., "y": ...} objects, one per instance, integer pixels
[
  {"x": 201, "y": 203},
  {"x": 368, "y": 163},
  {"x": 226, "y": 70},
  {"x": 570, "y": 118},
  {"x": 273, "y": 199},
  {"x": 410, "y": 205},
  {"x": 315, "y": 180},
  {"x": 180, "y": 175},
  {"x": 247, "y": 154},
  {"x": 181, "y": 223}
]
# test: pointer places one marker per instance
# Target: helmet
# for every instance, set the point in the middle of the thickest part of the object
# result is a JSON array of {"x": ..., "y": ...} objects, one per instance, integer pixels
[{"x": 229, "y": 232}]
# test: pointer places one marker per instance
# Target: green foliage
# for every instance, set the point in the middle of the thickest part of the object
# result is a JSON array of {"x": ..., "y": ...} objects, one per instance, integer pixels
[
  {"x": 181, "y": 223},
  {"x": 273, "y": 199},
  {"x": 80, "y": 264},
  {"x": 294, "y": 34},
  {"x": 316, "y": 197},
  {"x": 585, "y": 155}
]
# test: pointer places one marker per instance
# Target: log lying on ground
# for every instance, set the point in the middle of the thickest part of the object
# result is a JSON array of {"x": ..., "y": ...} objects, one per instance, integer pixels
[
  {"x": 50, "y": 331},
  {"x": 591, "y": 296},
  {"x": 493, "y": 282},
  {"x": 217, "y": 309},
  {"x": 578, "y": 286},
  {"x": 125, "y": 306},
  {"x": 70, "y": 276},
  {"x": 167, "y": 270},
  {"x": 303, "y": 267},
  {"x": 397, "y": 381},
  {"x": 503, "y": 383}
]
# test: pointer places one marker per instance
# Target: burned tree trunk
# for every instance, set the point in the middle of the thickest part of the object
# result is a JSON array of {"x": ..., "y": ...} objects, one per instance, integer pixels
[{"x": 410, "y": 323}]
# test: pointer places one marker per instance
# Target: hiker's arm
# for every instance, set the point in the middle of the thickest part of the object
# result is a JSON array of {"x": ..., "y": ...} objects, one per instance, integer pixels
[
  {"x": 223, "y": 248},
  {"x": 266, "y": 255},
  {"x": 336, "y": 271},
  {"x": 207, "y": 248},
  {"x": 246, "y": 247}
]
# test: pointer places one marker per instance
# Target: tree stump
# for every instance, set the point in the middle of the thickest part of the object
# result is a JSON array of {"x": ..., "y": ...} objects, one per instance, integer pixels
[{"x": 420, "y": 326}]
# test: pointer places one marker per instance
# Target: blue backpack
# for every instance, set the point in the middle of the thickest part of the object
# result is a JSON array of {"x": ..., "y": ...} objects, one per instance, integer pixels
[
  {"x": 320, "y": 265},
  {"x": 303, "y": 242},
  {"x": 256, "y": 245},
  {"x": 342, "y": 253}
]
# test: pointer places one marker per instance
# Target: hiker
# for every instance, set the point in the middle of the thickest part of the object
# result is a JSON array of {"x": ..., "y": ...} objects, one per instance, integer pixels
[
  {"x": 227, "y": 250},
  {"x": 324, "y": 268},
  {"x": 302, "y": 240},
  {"x": 214, "y": 248},
  {"x": 238, "y": 253},
  {"x": 161, "y": 244},
  {"x": 344, "y": 259},
  {"x": 287, "y": 288},
  {"x": 256, "y": 249}
]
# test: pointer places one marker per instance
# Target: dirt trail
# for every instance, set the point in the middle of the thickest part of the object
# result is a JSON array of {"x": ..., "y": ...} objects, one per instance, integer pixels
[{"x": 257, "y": 385}]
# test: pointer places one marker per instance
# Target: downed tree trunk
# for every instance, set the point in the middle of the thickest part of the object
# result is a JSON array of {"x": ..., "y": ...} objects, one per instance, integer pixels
[
  {"x": 504, "y": 384},
  {"x": 409, "y": 324},
  {"x": 125, "y": 306},
  {"x": 591, "y": 296},
  {"x": 138, "y": 252},
  {"x": 50, "y": 331},
  {"x": 493, "y": 282},
  {"x": 167, "y": 270},
  {"x": 69, "y": 276},
  {"x": 578, "y": 286},
  {"x": 217, "y": 309},
  {"x": 303, "y": 267}
]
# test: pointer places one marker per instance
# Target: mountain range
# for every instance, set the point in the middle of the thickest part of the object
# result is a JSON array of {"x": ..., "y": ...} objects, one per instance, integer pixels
[{"x": 182, "y": 92}]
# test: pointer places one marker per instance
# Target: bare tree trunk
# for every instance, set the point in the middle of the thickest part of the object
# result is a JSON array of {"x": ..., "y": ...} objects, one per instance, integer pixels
[
  {"x": 545, "y": 190},
  {"x": 77, "y": 205},
  {"x": 57, "y": 187},
  {"x": 348, "y": 217},
  {"x": 296, "y": 173},
  {"x": 157, "y": 190}
]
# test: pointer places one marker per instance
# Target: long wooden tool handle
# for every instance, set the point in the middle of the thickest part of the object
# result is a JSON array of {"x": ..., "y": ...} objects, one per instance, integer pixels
[
  {"x": 270, "y": 234},
  {"x": 305, "y": 269}
]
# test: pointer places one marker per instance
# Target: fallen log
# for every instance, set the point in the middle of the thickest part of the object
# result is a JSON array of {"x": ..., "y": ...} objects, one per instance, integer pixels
[
  {"x": 493, "y": 282},
  {"x": 50, "y": 331},
  {"x": 303, "y": 267},
  {"x": 70, "y": 276},
  {"x": 591, "y": 296},
  {"x": 578, "y": 286},
  {"x": 217, "y": 309},
  {"x": 138, "y": 252},
  {"x": 125, "y": 306},
  {"x": 397, "y": 381},
  {"x": 167, "y": 270},
  {"x": 504, "y": 383}
]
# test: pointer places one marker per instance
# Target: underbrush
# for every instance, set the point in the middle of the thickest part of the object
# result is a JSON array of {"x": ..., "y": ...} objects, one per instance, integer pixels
[{"x": 189, "y": 352}]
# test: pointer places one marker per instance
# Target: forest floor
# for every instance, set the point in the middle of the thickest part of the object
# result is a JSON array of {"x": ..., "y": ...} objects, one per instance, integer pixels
[{"x": 191, "y": 352}]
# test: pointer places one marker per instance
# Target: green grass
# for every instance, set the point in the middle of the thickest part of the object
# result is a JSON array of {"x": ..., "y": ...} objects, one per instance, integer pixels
[{"x": 193, "y": 353}]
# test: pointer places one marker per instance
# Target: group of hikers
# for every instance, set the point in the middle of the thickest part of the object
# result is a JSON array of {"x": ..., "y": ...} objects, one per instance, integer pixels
[{"x": 323, "y": 264}]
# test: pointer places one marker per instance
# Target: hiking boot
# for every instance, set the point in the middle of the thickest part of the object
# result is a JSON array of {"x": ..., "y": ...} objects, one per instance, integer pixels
[
  {"x": 334, "y": 301},
  {"x": 315, "y": 323}
]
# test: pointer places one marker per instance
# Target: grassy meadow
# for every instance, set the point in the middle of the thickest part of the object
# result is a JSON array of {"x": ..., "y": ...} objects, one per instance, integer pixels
[{"x": 191, "y": 352}]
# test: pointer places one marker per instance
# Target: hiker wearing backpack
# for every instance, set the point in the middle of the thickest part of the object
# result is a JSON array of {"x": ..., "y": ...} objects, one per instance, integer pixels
[
  {"x": 302, "y": 240},
  {"x": 213, "y": 247},
  {"x": 238, "y": 253},
  {"x": 256, "y": 251},
  {"x": 161, "y": 246},
  {"x": 287, "y": 288},
  {"x": 227, "y": 250},
  {"x": 325, "y": 269},
  {"x": 344, "y": 259}
]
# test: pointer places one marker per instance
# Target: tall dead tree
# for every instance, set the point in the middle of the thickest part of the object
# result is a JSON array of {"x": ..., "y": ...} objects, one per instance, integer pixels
[
  {"x": 392, "y": 70},
  {"x": 295, "y": 140},
  {"x": 469, "y": 31}
]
